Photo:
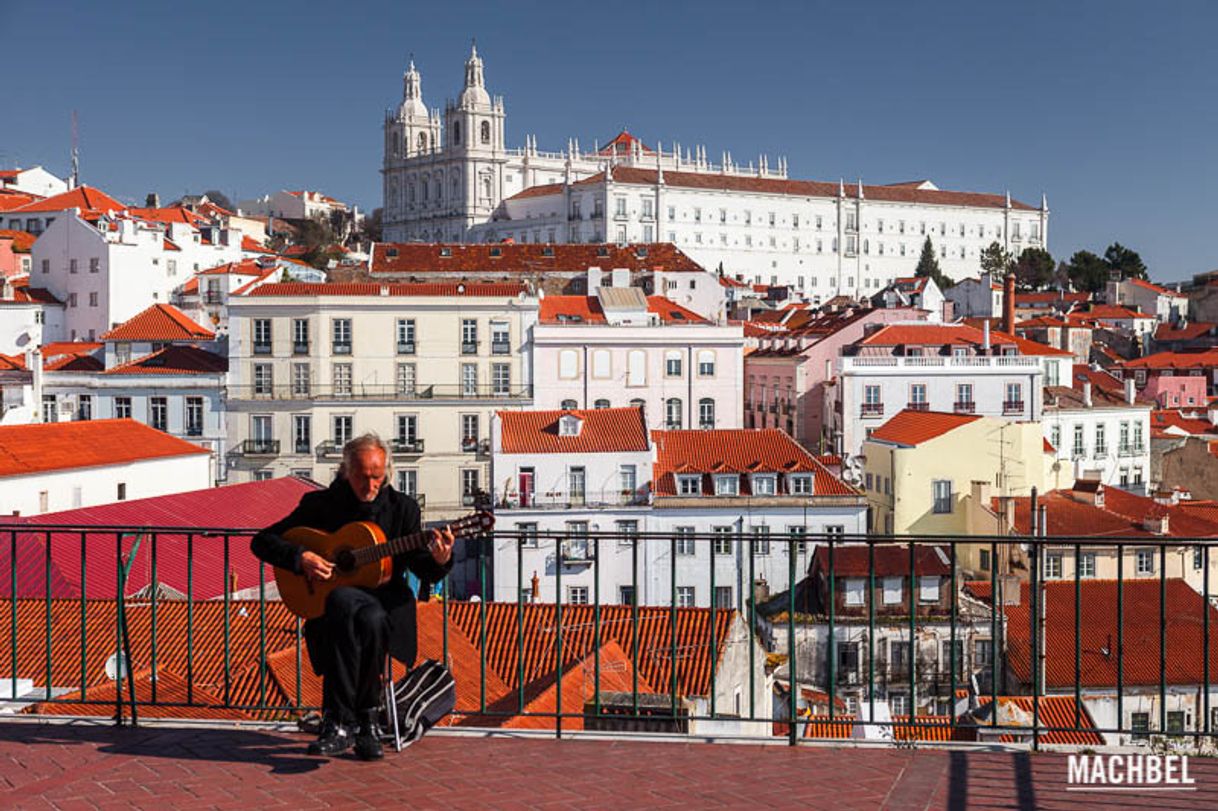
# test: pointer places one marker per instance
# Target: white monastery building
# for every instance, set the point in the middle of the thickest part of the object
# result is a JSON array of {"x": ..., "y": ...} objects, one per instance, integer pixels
[{"x": 451, "y": 178}]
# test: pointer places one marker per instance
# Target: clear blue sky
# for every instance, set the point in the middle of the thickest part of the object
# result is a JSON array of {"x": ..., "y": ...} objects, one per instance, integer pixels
[{"x": 1111, "y": 108}]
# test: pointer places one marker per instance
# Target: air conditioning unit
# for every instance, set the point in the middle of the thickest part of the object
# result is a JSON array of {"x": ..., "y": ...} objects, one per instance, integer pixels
[{"x": 67, "y": 405}]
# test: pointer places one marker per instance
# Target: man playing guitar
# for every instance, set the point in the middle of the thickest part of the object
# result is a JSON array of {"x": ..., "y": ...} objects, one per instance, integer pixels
[{"x": 348, "y": 643}]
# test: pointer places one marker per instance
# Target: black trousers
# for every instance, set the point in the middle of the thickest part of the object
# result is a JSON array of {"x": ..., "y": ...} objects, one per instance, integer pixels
[{"x": 355, "y": 641}]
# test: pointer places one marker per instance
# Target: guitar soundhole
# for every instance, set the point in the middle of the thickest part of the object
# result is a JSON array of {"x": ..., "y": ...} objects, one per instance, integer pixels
[{"x": 345, "y": 560}]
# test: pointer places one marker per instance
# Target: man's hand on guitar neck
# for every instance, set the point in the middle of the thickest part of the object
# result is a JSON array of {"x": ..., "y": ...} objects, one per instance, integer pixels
[
  {"x": 441, "y": 545},
  {"x": 315, "y": 567}
]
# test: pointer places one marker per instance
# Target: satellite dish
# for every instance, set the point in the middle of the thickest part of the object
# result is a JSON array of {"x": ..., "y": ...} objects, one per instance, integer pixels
[
  {"x": 475, "y": 599},
  {"x": 117, "y": 666}
]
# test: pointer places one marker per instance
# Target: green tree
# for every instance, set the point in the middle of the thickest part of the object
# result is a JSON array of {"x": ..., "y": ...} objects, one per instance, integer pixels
[
  {"x": 1087, "y": 271},
  {"x": 995, "y": 260},
  {"x": 1127, "y": 261},
  {"x": 1034, "y": 269},
  {"x": 928, "y": 265}
]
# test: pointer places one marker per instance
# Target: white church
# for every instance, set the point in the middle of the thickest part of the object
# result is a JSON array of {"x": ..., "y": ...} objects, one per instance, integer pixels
[{"x": 450, "y": 178}]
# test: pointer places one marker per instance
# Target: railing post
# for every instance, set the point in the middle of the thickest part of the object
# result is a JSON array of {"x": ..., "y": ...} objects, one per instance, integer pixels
[{"x": 791, "y": 657}]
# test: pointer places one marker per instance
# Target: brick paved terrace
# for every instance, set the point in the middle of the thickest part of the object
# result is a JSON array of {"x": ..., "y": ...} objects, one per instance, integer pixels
[{"x": 90, "y": 764}]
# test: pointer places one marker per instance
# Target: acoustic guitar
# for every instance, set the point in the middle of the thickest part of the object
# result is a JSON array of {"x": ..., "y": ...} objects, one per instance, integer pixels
[{"x": 361, "y": 556}]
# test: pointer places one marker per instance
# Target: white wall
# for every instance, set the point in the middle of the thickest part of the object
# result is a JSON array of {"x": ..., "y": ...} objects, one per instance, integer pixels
[{"x": 85, "y": 487}]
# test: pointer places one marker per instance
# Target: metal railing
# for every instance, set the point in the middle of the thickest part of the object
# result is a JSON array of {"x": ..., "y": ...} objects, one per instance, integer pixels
[
  {"x": 185, "y": 618},
  {"x": 379, "y": 391}
]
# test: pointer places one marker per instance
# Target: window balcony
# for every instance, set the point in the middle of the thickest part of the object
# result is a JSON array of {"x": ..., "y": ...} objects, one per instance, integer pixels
[
  {"x": 964, "y": 407},
  {"x": 1101, "y": 450},
  {"x": 262, "y": 347},
  {"x": 300, "y": 347},
  {"x": 341, "y": 348},
  {"x": 407, "y": 446},
  {"x": 213, "y": 297},
  {"x": 330, "y": 448},
  {"x": 1012, "y": 407},
  {"x": 871, "y": 410},
  {"x": 405, "y": 348},
  {"x": 302, "y": 447},
  {"x": 194, "y": 430},
  {"x": 921, "y": 406},
  {"x": 500, "y": 348},
  {"x": 469, "y": 347},
  {"x": 260, "y": 447}
]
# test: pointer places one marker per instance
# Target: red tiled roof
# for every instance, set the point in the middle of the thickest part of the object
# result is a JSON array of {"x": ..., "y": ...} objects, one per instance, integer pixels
[
  {"x": 508, "y": 259},
  {"x": 170, "y": 688},
  {"x": 539, "y": 625},
  {"x": 174, "y": 360},
  {"x": 1122, "y": 515},
  {"x": 1199, "y": 359},
  {"x": 490, "y": 290},
  {"x": 603, "y": 430},
  {"x": 10, "y": 363},
  {"x": 86, "y": 198},
  {"x": 70, "y": 348},
  {"x": 1151, "y": 286},
  {"x": 802, "y": 188},
  {"x": 1161, "y": 419},
  {"x": 22, "y": 242},
  {"x": 1110, "y": 312},
  {"x": 245, "y": 267},
  {"x": 1098, "y": 378},
  {"x": 736, "y": 450},
  {"x": 169, "y": 214},
  {"x": 853, "y": 560},
  {"x": 623, "y": 144},
  {"x": 74, "y": 363},
  {"x": 1188, "y": 332},
  {"x": 34, "y": 295},
  {"x": 251, "y": 245},
  {"x": 537, "y": 191},
  {"x": 1055, "y": 711},
  {"x": 10, "y": 199},
  {"x": 1049, "y": 448},
  {"x": 1098, "y": 633},
  {"x": 160, "y": 322},
  {"x": 1050, "y": 297},
  {"x": 587, "y": 310},
  {"x": 251, "y": 505},
  {"x": 38, "y": 448},
  {"x": 912, "y": 428},
  {"x": 932, "y": 335}
]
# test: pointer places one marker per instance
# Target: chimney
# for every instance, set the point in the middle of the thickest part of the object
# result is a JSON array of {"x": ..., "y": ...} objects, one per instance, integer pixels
[
  {"x": 153, "y": 200},
  {"x": 985, "y": 332},
  {"x": 1087, "y": 394},
  {"x": 595, "y": 274},
  {"x": 1129, "y": 391},
  {"x": 232, "y": 580},
  {"x": 1008, "y": 303},
  {"x": 535, "y": 588}
]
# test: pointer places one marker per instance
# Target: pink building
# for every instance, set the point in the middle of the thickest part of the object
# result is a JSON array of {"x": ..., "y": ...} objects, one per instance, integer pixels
[{"x": 784, "y": 378}]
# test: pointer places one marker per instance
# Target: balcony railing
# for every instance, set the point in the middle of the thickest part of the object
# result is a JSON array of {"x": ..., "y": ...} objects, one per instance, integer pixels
[
  {"x": 405, "y": 348},
  {"x": 300, "y": 347},
  {"x": 501, "y": 348},
  {"x": 469, "y": 347},
  {"x": 921, "y": 362},
  {"x": 260, "y": 447},
  {"x": 407, "y": 446},
  {"x": 964, "y": 406},
  {"x": 871, "y": 409},
  {"x": 921, "y": 406},
  {"x": 262, "y": 348},
  {"x": 191, "y": 617},
  {"x": 1012, "y": 406},
  {"x": 381, "y": 391},
  {"x": 340, "y": 348}
]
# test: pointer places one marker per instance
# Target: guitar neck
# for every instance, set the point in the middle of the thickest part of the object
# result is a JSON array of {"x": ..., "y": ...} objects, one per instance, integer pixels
[{"x": 396, "y": 546}]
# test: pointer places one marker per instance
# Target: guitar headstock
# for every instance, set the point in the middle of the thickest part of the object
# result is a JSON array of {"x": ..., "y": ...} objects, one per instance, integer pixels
[{"x": 479, "y": 523}]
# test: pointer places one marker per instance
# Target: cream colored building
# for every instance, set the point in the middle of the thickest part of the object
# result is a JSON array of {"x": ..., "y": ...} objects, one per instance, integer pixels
[{"x": 425, "y": 366}]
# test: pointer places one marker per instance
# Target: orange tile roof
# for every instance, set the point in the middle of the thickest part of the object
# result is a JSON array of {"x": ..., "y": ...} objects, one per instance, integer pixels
[
  {"x": 34, "y": 295},
  {"x": 623, "y": 144},
  {"x": 603, "y": 430},
  {"x": 74, "y": 363},
  {"x": 22, "y": 242},
  {"x": 587, "y": 309},
  {"x": 1050, "y": 297},
  {"x": 509, "y": 259},
  {"x": 70, "y": 348},
  {"x": 86, "y": 198},
  {"x": 1123, "y": 515},
  {"x": 505, "y": 289},
  {"x": 854, "y": 560},
  {"x": 911, "y": 428},
  {"x": 1175, "y": 332},
  {"x": 736, "y": 450},
  {"x": 174, "y": 360},
  {"x": 171, "y": 688},
  {"x": 160, "y": 322},
  {"x": 1151, "y": 286},
  {"x": 246, "y": 267},
  {"x": 169, "y": 214},
  {"x": 1110, "y": 312},
  {"x": 252, "y": 245},
  {"x": 42, "y": 447},
  {"x": 540, "y": 628},
  {"x": 1161, "y": 419},
  {"x": 932, "y": 335},
  {"x": 1200, "y": 359},
  {"x": 1055, "y": 711},
  {"x": 803, "y": 188},
  {"x": 10, "y": 200},
  {"x": 9, "y": 363}
]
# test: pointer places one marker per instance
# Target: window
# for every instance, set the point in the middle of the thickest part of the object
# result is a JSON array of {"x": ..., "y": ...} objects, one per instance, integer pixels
[
  {"x": 405, "y": 379},
  {"x": 765, "y": 484},
  {"x": 71, "y": 266},
  {"x": 501, "y": 379},
  {"x": 672, "y": 363},
  {"x": 1014, "y": 397},
  {"x": 942, "y": 493},
  {"x": 407, "y": 433},
  {"x": 684, "y": 540},
  {"x": 577, "y": 595},
  {"x": 469, "y": 486},
  {"x": 722, "y": 544},
  {"x": 121, "y": 493},
  {"x": 300, "y": 336},
  {"x": 46, "y": 265},
  {"x": 408, "y": 482},
  {"x": 627, "y": 532},
  {"x": 528, "y": 534},
  {"x": 1123, "y": 447},
  {"x": 568, "y": 405},
  {"x": 469, "y": 336},
  {"x": 262, "y": 378},
  {"x": 1175, "y": 723},
  {"x": 576, "y": 484},
  {"x": 685, "y": 596},
  {"x": 723, "y": 596},
  {"x": 964, "y": 397},
  {"x": 262, "y": 336},
  {"x": 1078, "y": 448},
  {"x": 302, "y": 433},
  {"x": 93, "y": 299},
  {"x": 1138, "y": 446},
  {"x": 727, "y": 484},
  {"x": 799, "y": 484},
  {"x": 672, "y": 413},
  {"x": 928, "y": 589},
  {"x": 628, "y": 480},
  {"x": 1139, "y": 725},
  {"x": 600, "y": 402},
  {"x": 342, "y": 379},
  {"x": 761, "y": 541},
  {"x": 917, "y": 397},
  {"x": 1086, "y": 564},
  {"x": 469, "y": 432},
  {"x": 855, "y": 589},
  {"x": 122, "y": 408},
  {"x": 1053, "y": 566},
  {"x": 485, "y": 132},
  {"x": 469, "y": 380},
  {"x": 405, "y": 336},
  {"x": 500, "y": 338},
  {"x": 1101, "y": 442},
  {"x": 945, "y": 655},
  {"x": 626, "y": 595},
  {"x": 84, "y": 407},
  {"x": 341, "y": 333},
  {"x": 892, "y": 590},
  {"x": 706, "y": 413},
  {"x": 872, "y": 405},
  {"x": 343, "y": 429},
  {"x": 706, "y": 363},
  {"x": 1144, "y": 560},
  {"x": 689, "y": 484}
]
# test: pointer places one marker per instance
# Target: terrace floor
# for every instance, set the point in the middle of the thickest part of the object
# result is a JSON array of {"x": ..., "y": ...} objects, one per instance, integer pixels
[{"x": 89, "y": 765}]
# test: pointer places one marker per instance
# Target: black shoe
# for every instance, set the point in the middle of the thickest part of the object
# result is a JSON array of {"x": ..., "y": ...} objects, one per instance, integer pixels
[
  {"x": 334, "y": 738},
  {"x": 368, "y": 738}
]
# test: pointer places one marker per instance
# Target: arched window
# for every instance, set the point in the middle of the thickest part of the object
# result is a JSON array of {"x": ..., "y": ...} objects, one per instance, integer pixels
[
  {"x": 601, "y": 364},
  {"x": 638, "y": 403},
  {"x": 706, "y": 363},
  {"x": 424, "y": 185},
  {"x": 569, "y": 405},
  {"x": 601, "y": 403},
  {"x": 438, "y": 189},
  {"x": 706, "y": 413},
  {"x": 486, "y": 187},
  {"x": 455, "y": 182},
  {"x": 422, "y": 142},
  {"x": 672, "y": 413},
  {"x": 486, "y": 132},
  {"x": 456, "y": 132},
  {"x": 397, "y": 144}
]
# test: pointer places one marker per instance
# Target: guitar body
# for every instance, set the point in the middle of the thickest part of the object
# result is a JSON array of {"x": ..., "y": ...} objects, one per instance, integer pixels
[{"x": 307, "y": 598}]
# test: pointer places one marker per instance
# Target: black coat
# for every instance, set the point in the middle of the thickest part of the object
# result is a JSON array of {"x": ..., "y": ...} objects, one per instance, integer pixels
[{"x": 397, "y": 514}]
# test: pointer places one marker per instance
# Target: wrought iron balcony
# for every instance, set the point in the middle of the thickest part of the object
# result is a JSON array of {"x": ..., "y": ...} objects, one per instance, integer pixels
[
  {"x": 407, "y": 446},
  {"x": 262, "y": 347},
  {"x": 921, "y": 406},
  {"x": 964, "y": 406},
  {"x": 500, "y": 348},
  {"x": 340, "y": 348},
  {"x": 389, "y": 392},
  {"x": 1012, "y": 406},
  {"x": 871, "y": 409},
  {"x": 260, "y": 447},
  {"x": 300, "y": 347},
  {"x": 469, "y": 347},
  {"x": 405, "y": 348}
]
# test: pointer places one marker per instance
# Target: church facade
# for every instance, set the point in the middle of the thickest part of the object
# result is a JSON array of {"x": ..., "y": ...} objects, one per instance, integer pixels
[{"x": 451, "y": 178}]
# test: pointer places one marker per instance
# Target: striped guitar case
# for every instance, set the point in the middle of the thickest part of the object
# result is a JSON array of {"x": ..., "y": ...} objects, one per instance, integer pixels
[{"x": 423, "y": 698}]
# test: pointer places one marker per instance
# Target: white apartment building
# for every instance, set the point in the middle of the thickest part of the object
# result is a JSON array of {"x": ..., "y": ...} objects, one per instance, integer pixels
[
  {"x": 423, "y": 365},
  {"x": 935, "y": 367},
  {"x": 29, "y": 316},
  {"x": 712, "y": 498},
  {"x": 293, "y": 205},
  {"x": 451, "y": 178},
  {"x": 34, "y": 180},
  {"x": 51, "y": 467},
  {"x": 158, "y": 368},
  {"x": 107, "y": 264},
  {"x": 1098, "y": 434},
  {"x": 976, "y": 297},
  {"x": 619, "y": 347}
]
